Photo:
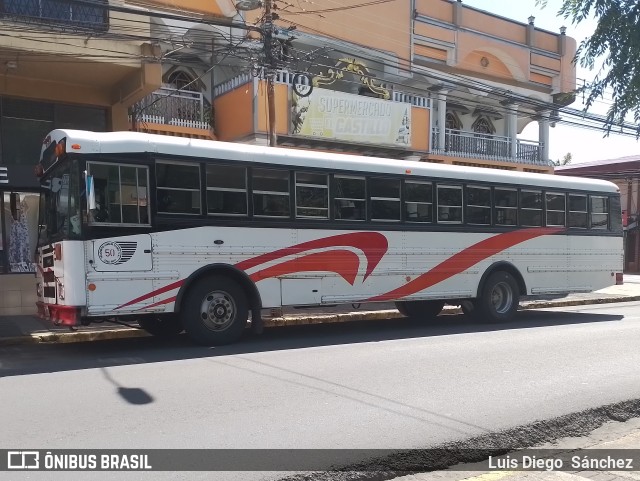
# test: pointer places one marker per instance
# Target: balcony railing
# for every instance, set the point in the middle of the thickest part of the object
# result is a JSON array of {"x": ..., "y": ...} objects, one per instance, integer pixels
[
  {"x": 174, "y": 107},
  {"x": 484, "y": 146},
  {"x": 286, "y": 77}
]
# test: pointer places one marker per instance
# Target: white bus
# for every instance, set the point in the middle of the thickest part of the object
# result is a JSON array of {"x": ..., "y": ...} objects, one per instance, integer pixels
[{"x": 182, "y": 234}]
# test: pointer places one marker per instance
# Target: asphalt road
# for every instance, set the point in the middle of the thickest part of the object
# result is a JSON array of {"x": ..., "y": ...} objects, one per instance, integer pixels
[{"x": 388, "y": 384}]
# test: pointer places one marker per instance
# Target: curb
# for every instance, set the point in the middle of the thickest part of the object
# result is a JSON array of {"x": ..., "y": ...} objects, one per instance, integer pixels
[{"x": 297, "y": 320}]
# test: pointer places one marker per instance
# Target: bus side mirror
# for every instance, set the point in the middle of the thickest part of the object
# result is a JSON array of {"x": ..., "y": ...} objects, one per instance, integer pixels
[{"x": 91, "y": 192}]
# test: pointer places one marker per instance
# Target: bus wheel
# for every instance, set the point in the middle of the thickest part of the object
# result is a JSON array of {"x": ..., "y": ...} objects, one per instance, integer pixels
[
  {"x": 161, "y": 326},
  {"x": 419, "y": 310},
  {"x": 499, "y": 299},
  {"x": 469, "y": 308},
  {"x": 214, "y": 311}
]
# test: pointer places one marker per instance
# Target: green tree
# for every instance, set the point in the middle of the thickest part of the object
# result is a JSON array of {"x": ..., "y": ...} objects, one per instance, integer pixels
[
  {"x": 566, "y": 160},
  {"x": 613, "y": 51}
]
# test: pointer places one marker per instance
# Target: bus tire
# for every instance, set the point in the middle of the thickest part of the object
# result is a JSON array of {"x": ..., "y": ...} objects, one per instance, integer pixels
[
  {"x": 468, "y": 307},
  {"x": 214, "y": 311},
  {"x": 499, "y": 299},
  {"x": 419, "y": 310},
  {"x": 164, "y": 327}
]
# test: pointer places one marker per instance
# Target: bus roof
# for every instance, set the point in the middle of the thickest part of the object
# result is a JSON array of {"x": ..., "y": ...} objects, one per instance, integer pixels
[{"x": 86, "y": 142}]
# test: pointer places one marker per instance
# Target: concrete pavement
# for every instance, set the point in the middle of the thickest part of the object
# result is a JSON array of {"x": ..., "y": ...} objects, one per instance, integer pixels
[
  {"x": 20, "y": 330},
  {"x": 617, "y": 441}
]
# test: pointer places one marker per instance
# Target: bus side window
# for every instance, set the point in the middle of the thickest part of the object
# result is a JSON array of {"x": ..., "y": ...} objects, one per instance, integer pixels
[
  {"x": 349, "y": 200},
  {"x": 101, "y": 212}
]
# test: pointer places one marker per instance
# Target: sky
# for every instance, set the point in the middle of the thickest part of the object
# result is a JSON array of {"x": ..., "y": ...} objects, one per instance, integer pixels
[{"x": 584, "y": 144}]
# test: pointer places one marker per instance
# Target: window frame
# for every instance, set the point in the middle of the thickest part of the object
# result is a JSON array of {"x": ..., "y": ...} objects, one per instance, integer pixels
[
  {"x": 371, "y": 199},
  {"x": 334, "y": 198},
  {"x": 92, "y": 223},
  {"x": 515, "y": 208},
  {"x": 585, "y": 212},
  {"x": 541, "y": 209},
  {"x": 179, "y": 189},
  {"x": 461, "y": 206},
  {"x": 607, "y": 213},
  {"x": 314, "y": 186},
  {"x": 283, "y": 193},
  {"x": 405, "y": 201},
  {"x": 226, "y": 189},
  {"x": 478, "y": 206},
  {"x": 547, "y": 210}
]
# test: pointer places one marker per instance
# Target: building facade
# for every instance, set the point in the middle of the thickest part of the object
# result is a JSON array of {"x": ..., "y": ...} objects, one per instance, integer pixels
[
  {"x": 429, "y": 80},
  {"x": 63, "y": 64}
]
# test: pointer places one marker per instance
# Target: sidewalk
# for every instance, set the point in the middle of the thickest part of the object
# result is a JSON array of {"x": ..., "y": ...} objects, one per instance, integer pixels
[
  {"x": 17, "y": 330},
  {"x": 618, "y": 441}
]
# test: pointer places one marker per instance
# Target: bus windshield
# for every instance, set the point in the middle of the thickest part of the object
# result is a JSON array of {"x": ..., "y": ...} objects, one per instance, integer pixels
[{"x": 60, "y": 212}]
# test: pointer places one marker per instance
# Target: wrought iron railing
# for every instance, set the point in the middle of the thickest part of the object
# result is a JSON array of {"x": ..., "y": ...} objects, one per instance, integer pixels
[
  {"x": 485, "y": 146},
  {"x": 59, "y": 14},
  {"x": 174, "y": 107},
  {"x": 286, "y": 77}
]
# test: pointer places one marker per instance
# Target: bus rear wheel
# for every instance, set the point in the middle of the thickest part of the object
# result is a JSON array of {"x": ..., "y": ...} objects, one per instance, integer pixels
[
  {"x": 419, "y": 310},
  {"x": 214, "y": 311},
  {"x": 164, "y": 327},
  {"x": 499, "y": 299}
]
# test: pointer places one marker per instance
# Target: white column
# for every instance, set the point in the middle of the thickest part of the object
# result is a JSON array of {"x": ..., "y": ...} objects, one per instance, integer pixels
[
  {"x": 512, "y": 129},
  {"x": 543, "y": 134},
  {"x": 442, "y": 118}
]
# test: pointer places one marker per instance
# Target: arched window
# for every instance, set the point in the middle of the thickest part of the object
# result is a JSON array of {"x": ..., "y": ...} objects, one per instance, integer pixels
[
  {"x": 452, "y": 121},
  {"x": 182, "y": 81},
  {"x": 483, "y": 131},
  {"x": 483, "y": 126},
  {"x": 452, "y": 138}
]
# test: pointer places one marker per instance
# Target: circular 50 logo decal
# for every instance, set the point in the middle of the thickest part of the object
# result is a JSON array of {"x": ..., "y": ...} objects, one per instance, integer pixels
[{"x": 110, "y": 252}]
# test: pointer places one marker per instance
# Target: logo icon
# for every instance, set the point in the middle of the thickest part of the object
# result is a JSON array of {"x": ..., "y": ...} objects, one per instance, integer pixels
[
  {"x": 114, "y": 253},
  {"x": 23, "y": 460}
]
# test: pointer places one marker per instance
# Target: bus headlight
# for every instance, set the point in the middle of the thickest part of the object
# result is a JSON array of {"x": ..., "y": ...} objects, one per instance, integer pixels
[
  {"x": 39, "y": 290},
  {"x": 60, "y": 289}
]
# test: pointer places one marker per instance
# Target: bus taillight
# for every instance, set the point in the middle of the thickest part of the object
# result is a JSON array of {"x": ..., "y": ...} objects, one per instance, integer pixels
[{"x": 619, "y": 279}]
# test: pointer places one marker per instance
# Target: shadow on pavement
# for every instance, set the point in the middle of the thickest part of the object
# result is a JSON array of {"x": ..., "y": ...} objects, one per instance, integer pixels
[{"x": 20, "y": 360}]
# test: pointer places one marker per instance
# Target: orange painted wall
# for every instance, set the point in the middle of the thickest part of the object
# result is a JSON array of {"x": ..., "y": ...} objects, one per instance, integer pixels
[
  {"x": 512, "y": 59},
  {"x": 360, "y": 25},
  {"x": 435, "y": 32},
  {"x": 495, "y": 66},
  {"x": 541, "y": 79},
  {"x": 438, "y": 9},
  {"x": 431, "y": 52},
  {"x": 234, "y": 113},
  {"x": 482, "y": 22},
  {"x": 282, "y": 108},
  {"x": 545, "y": 41},
  {"x": 546, "y": 62},
  {"x": 420, "y": 137},
  {"x": 209, "y": 7}
]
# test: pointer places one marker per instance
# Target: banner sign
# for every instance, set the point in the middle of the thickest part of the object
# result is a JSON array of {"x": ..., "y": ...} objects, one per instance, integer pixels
[
  {"x": 329, "y": 114},
  {"x": 353, "y": 460}
]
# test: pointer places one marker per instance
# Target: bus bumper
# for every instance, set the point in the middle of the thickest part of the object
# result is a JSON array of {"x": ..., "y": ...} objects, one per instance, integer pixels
[{"x": 59, "y": 315}]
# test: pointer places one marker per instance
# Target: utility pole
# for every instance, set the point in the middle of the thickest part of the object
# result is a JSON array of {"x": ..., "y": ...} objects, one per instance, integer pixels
[{"x": 270, "y": 71}]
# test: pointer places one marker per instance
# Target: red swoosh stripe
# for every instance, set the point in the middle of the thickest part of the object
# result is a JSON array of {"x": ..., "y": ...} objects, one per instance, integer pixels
[
  {"x": 464, "y": 259},
  {"x": 345, "y": 263},
  {"x": 373, "y": 244},
  {"x": 162, "y": 290}
]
